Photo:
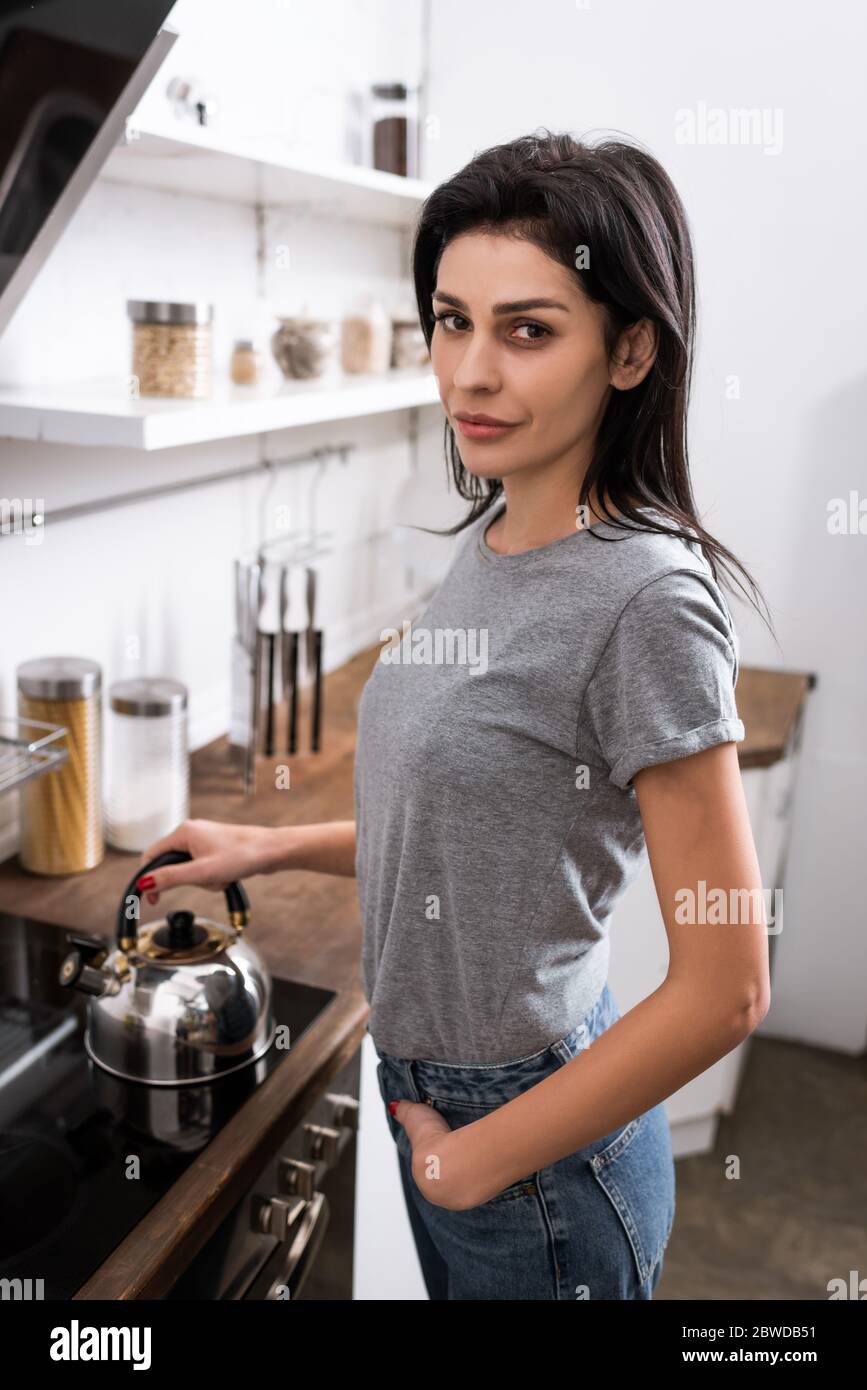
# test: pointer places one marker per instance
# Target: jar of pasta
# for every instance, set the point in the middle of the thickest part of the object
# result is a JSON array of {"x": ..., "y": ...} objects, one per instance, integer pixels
[
  {"x": 61, "y": 811},
  {"x": 171, "y": 348}
]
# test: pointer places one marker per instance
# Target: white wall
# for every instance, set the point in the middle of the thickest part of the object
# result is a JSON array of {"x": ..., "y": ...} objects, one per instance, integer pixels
[{"x": 779, "y": 245}]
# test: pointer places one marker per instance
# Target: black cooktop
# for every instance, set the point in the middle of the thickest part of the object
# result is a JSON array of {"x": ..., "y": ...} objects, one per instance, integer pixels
[{"x": 83, "y": 1155}]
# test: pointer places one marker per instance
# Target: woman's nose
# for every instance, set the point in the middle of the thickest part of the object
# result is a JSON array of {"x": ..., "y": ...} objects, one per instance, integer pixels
[{"x": 477, "y": 367}]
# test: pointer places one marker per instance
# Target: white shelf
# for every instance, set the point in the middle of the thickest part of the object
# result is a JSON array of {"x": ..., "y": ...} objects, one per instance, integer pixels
[
  {"x": 211, "y": 164},
  {"x": 104, "y": 415}
]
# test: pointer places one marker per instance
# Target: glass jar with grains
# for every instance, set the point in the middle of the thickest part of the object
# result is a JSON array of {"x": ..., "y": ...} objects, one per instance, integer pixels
[
  {"x": 171, "y": 348},
  {"x": 366, "y": 338}
]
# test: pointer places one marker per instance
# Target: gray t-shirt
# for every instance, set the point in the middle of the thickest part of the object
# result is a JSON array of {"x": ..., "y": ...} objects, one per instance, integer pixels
[{"x": 496, "y": 826}]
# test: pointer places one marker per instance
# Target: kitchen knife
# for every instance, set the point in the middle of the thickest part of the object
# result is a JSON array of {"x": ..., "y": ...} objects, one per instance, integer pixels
[
  {"x": 309, "y": 653},
  {"x": 271, "y": 639},
  {"x": 239, "y": 716},
  {"x": 255, "y": 597},
  {"x": 313, "y": 638},
  {"x": 316, "y": 727},
  {"x": 289, "y": 645}
]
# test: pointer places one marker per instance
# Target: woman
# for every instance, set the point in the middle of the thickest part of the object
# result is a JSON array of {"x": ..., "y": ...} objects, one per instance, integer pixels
[{"x": 504, "y": 798}]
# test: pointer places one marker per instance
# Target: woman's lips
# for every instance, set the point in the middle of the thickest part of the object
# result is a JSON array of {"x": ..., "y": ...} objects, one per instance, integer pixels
[{"x": 482, "y": 431}]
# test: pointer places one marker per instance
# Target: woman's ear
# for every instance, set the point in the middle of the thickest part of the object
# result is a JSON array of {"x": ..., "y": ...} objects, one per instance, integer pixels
[{"x": 634, "y": 355}]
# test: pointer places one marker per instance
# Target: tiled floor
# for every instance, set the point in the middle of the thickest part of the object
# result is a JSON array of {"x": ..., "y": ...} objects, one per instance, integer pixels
[{"x": 797, "y": 1215}]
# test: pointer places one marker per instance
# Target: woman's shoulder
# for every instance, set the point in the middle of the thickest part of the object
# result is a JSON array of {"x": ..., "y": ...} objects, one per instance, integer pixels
[
  {"x": 645, "y": 566},
  {"x": 639, "y": 552}
]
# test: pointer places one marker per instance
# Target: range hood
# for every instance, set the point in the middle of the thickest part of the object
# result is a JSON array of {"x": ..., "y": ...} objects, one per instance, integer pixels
[{"x": 71, "y": 72}]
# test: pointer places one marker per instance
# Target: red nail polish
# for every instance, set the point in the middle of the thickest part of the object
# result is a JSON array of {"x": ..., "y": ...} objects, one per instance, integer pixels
[
  {"x": 146, "y": 882},
  {"x": 392, "y": 1105}
]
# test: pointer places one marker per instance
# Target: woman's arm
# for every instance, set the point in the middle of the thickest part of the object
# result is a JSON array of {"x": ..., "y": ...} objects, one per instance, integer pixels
[
  {"x": 325, "y": 848},
  {"x": 221, "y": 852},
  {"x": 715, "y": 993}
]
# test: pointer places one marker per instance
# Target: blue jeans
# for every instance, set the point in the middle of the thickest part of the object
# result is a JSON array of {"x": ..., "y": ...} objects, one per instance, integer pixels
[{"x": 593, "y": 1225}]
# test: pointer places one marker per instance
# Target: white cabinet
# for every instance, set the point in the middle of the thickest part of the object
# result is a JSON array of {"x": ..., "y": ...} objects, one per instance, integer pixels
[{"x": 385, "y": 1265}]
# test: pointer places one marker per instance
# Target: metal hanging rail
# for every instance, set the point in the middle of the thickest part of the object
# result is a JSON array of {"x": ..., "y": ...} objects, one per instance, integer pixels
[{"x": 103, "y": 504}]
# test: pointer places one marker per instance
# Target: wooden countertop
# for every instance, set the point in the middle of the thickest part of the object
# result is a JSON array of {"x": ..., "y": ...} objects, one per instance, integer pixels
[
  {"x": 771, "y": 704},
  {"x": 307, "y": 927}
]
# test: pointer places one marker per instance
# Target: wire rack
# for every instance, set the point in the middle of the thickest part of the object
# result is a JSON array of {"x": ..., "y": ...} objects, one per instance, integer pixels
[{"x": 29, "y": 747}]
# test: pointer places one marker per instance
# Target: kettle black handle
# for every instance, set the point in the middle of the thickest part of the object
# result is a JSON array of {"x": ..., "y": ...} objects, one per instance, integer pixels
[{"x": 237, "y": 902}]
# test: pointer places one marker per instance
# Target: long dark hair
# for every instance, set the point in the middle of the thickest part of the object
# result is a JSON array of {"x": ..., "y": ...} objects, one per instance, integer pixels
[{"x": 559, "y": 192}]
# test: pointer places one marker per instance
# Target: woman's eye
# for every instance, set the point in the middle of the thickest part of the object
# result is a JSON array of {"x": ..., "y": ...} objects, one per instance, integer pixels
[{"x": 543, "y": 332}]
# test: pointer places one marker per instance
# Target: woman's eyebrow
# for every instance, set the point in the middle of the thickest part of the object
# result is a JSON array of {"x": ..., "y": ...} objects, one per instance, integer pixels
[{"x": 514, "y": 306}]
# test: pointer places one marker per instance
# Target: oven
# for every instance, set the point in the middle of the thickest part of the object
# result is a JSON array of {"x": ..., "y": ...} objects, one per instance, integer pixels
[
  {"x": 291, "y": 1234},
  {"x": 67, "y": 1129}
]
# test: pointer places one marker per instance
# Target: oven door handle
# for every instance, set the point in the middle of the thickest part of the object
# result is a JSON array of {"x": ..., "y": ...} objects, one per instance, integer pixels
[{"x": 306, "y": 1239}]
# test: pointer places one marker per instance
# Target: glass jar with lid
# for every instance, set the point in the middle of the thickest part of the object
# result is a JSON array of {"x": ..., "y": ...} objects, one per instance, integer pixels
[
  {"x": 62, "y": 811},
  {"x": 245, "y": 367},
  {"x": 171, "y": 348},
  {"x": 148, "y": 761},
  {"x": 393, "y": 128}
]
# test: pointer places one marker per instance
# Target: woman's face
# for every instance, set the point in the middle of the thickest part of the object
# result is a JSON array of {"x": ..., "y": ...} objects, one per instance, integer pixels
[{"x": 541, "y": 367}]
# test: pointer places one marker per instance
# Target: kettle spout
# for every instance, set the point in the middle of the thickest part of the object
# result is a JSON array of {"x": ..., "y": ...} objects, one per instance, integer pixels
[{"x": 82, "y": 968}]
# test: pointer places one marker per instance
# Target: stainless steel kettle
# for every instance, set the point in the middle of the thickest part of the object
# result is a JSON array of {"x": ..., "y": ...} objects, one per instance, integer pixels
[{"x": 180, "y": 1001}]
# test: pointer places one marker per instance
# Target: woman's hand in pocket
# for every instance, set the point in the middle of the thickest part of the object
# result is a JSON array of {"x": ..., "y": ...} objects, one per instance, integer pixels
[{"x": 437, "y": 1169}]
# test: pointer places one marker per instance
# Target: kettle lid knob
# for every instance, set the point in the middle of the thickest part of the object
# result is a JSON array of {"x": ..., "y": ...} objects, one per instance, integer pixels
[
  {"x": 181, "y": 924},
  {"x": 182, "y": 934}
]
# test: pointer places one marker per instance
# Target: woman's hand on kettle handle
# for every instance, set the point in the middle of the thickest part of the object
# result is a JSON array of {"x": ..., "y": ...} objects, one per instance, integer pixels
[{"x": 220, "y": 853}]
